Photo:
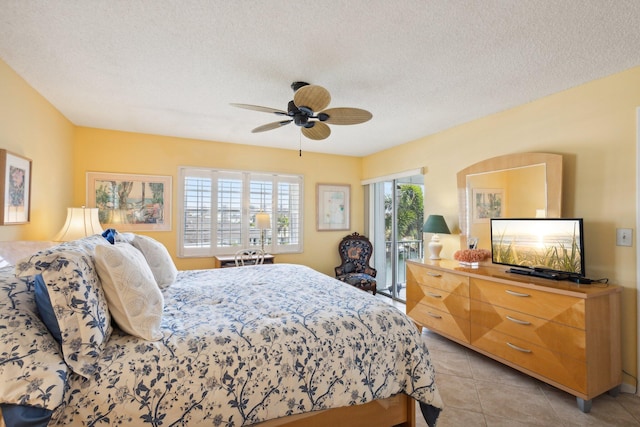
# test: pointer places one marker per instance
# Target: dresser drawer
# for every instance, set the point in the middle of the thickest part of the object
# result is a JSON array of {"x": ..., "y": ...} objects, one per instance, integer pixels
[
  {"x": 554, "y": 336},
  {"x": 553, "y": 366},
  {"x": 437, "y": 298},
  {"x": 425, "y": 276},
  {"x": 562, "y": 309},
  {"x": 440, "y": 321}
]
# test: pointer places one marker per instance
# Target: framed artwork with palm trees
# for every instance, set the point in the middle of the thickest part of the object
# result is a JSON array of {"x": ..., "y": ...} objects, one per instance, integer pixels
[{"x": 131, "y": 202}]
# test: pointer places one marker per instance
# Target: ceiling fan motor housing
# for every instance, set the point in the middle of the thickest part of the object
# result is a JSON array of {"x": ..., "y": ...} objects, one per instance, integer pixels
[
  {"x": 297, "y": 85},
  {"x": 300, "y": 115}
]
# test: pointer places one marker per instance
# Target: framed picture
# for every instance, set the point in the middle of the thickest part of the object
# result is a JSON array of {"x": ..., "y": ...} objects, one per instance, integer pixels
[
  {"x": 130, "y": 202},
  {"x": 333, "y": 205},
  {"x": 15, "y": 178},
  {"x": 487, "y": 203}
]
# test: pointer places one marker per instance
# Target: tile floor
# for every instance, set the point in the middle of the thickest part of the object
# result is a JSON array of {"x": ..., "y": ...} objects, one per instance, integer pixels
[{"x": 478, "y": 391}]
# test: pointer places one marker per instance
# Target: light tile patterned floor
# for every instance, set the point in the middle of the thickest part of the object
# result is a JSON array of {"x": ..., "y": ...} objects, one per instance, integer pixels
[{"x": 478, "y": 391}]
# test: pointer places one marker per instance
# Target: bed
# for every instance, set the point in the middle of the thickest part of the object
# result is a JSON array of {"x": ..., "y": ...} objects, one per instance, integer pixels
[{"x": 270, "y": 345}]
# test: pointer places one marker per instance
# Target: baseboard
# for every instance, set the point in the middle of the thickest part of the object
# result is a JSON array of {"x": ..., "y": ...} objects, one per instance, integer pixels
[{"x": 629, "y": 388}]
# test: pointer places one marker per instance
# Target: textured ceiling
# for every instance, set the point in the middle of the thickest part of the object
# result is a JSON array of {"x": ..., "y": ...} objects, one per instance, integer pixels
[{"x": 172, "y": 68}]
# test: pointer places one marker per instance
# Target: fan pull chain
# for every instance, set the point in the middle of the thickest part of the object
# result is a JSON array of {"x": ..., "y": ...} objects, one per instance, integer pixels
[{"x": 300, "y": 143}]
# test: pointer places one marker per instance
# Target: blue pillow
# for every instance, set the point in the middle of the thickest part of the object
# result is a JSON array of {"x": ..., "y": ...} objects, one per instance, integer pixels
[
  {"x": 45, "y": 309},
  {"x": 25, "y": 416},
  {"x": 110, "y": 235}
]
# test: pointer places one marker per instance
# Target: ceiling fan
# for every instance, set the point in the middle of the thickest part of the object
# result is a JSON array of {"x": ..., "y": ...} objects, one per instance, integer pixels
[{"x": 307, "y": 110}]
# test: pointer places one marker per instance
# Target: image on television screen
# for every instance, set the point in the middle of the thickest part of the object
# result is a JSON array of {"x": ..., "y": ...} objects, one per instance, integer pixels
[{"x": 551, "y": 243}]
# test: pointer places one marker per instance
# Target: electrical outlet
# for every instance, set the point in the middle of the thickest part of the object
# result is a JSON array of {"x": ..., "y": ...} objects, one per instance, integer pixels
[{"x": 624, "y": 237}]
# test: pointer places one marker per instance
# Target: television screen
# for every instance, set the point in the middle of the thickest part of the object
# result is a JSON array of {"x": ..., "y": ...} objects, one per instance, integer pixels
[{"x": 539, "y": 245}]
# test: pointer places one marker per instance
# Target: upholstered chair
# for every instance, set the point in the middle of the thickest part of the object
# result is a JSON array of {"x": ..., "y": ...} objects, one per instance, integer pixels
[{"x": 355, "y": 251}]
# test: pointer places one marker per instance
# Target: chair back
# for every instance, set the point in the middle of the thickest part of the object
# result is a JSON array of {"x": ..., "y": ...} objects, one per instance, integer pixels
[
  {"x": 249, "y": 257},
  {"x": 355, "y": 251}
]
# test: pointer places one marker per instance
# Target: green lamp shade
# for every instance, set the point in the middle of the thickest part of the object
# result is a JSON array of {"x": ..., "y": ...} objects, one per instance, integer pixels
[{"x": 436, "y": 224}]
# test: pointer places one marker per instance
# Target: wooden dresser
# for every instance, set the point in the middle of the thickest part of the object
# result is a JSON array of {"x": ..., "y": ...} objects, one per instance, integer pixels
[{"x": 562, "y": 333}]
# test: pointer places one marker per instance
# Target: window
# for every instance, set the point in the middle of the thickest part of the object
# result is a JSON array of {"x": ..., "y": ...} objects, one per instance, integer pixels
[{"x": 218, "y": 211}]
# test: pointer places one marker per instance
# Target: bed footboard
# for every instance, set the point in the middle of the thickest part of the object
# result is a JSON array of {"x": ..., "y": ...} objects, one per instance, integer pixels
[{"x": 398, "y": 410}]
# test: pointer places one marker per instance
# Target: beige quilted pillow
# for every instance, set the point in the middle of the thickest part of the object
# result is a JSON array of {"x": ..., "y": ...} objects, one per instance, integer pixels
[
  {"x": 134, "y": 299},
  {"x": 158, "y": 258}
]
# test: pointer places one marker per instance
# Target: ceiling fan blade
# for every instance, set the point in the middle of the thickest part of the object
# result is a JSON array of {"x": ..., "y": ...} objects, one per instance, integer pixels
[
  {"x": 270, "y": 126},
  {"x": 259, "y": 108},
  {"x": 312, "y": 96},
  {"x": 347, "y": 116},
  {"x": 318, "y": 131}
]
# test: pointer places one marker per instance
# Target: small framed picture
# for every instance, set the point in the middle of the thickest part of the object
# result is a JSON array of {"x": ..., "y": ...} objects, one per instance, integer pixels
[
  {"x": 15, "y": 172},
  {"x": 487, "y": 203},
  {"x": 333, "y": 207},
  {"x": 129, "y": 202}
]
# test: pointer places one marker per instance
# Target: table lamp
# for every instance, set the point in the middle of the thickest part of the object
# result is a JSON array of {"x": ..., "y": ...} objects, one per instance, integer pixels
[
  {"x": 263, "y": 222},
  {"x": 81, "y": 222},
  {"x": 435, "y": 224}
]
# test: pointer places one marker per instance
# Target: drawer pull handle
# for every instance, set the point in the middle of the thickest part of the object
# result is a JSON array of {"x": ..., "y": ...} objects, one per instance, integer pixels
[
  {"x": 515, "y": 347},
  {"x": 431, "y": 294},
  {"x": 518, "y": 321},
  {"x": 437, "y": 316},
  {"x": 429, "y": 273},
  {"x": 517, "y": 294}
]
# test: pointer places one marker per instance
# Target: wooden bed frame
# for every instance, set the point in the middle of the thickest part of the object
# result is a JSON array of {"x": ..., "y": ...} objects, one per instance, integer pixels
[{"x": 398, "y": 410}]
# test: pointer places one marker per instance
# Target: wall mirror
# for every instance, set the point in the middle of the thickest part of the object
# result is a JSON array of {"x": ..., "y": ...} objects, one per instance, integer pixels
[{"x": 524, "y": 185}]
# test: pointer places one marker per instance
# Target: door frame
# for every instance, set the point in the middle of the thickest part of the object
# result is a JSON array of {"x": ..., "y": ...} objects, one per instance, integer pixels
[{"x": 637, "y": 246}]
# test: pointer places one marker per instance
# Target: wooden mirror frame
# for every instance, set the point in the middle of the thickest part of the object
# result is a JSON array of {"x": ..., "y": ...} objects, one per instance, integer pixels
[{"x": 553, "y": 174}]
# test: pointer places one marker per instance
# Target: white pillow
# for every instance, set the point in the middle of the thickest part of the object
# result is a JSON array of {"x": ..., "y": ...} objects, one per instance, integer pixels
[
  {"x": 124, "y": 237},
  {"x": 134, "y": 299},
  {"x": 158, "y": 258}
]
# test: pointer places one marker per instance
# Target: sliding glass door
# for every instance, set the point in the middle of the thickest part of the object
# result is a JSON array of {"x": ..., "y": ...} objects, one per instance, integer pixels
[{"x": 396, "y": 214}]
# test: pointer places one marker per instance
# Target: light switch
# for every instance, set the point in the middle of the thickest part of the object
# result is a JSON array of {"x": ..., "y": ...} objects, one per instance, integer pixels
[{"x": 624, "y": 237}]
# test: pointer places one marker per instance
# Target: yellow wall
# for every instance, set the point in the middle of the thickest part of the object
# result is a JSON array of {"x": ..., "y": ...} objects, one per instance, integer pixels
[
  {"x": 31, "y": 127},
  {"x": 594, "y": 127},
  {"x": 121, "y": 152}
]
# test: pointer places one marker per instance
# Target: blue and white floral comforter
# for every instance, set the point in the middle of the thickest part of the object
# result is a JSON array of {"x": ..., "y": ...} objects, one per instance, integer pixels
[{"x": 244, "y": 345}]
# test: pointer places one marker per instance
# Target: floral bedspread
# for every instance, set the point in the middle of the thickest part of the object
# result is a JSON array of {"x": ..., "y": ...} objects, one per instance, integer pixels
[
  {"x": 244, "y": 345},
  {"x": 32, "y": 371}
]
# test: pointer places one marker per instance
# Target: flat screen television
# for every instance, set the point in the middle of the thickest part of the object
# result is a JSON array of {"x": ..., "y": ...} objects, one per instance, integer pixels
[{"x": 553, "y": 247}]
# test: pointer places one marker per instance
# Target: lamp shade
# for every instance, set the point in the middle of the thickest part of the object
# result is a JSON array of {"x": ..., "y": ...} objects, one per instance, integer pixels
[
  {"x": 81, "y": 222},
  {"x": 263, "y": 220},
  {"x": 436, "y": 224}
]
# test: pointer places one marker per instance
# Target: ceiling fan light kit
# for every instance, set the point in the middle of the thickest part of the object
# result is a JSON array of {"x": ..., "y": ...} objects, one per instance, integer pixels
[{"x": 308, "y": 110}]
